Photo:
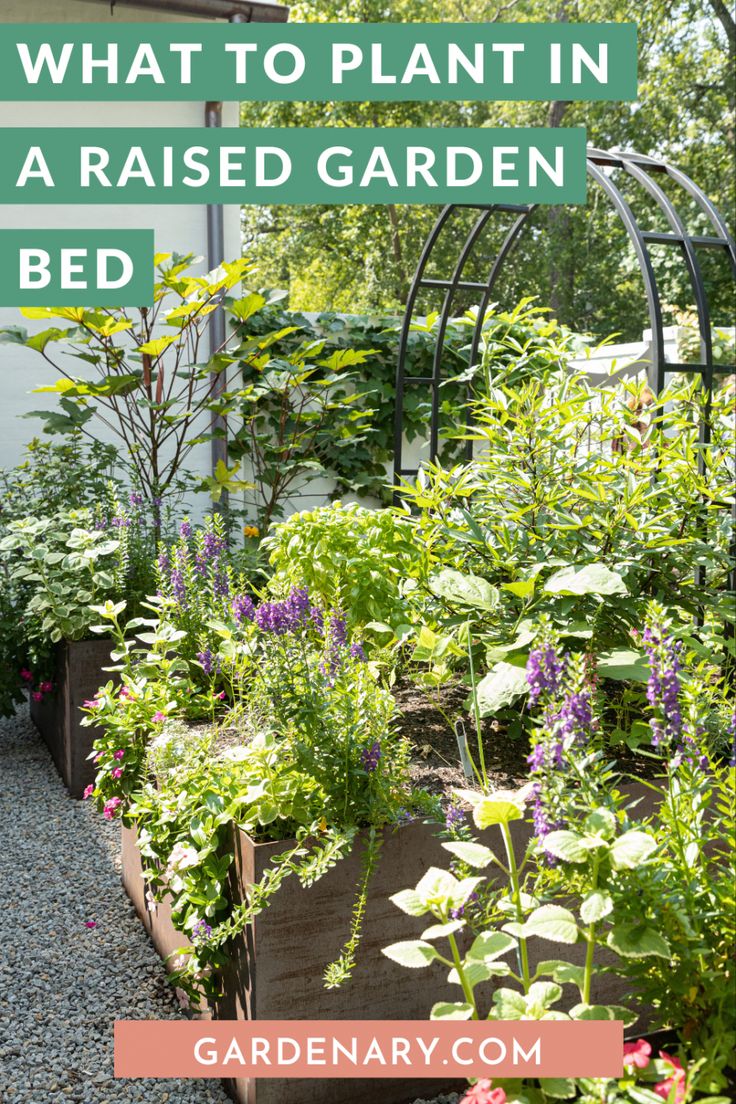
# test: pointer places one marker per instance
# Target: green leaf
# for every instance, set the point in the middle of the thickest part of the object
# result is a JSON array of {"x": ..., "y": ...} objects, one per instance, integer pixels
[
  {"x": 158, "y": 345},
  {"x": 559, "y": 1088},
  {"x": 603, "y": 1012},
  {"x": 501, "y": 687},
  {"x": 448, "y": 1010},
  {"x": 637, "y": 941},
  {"x": 510, "y": 1005},
  {"x": 409, "y": 901},
  {"x": 489, "y": 946},
  {"x": 592, "y": 579},
  {"x": 601, "y": 822},
  {"x": 522, "y": 588},
  {"x": 554, "y": 923},
  {"x": 474, "y": 854},
  {"x": 464, "y": 590},
  {"x": 414, "y": 953},
  {"x": 441, "y": 931},
  {"x": 623, "y": 666},
  {"x": 595, "y": 906},
  {"x": 566, "y": 845},
  {"x": 500, "y": 807},
  {"x": 436, "y": 886},
  {"x": 563, "y": 972},
  {"x": 631, "y": 850}
]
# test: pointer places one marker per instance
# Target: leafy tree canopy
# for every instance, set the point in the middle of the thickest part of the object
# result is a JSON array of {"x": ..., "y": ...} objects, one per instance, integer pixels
[{"x": 360, "y": 259}]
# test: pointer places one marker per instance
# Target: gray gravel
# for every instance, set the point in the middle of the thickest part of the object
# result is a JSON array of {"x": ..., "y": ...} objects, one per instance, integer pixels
[{"x": 63, "y": 985}]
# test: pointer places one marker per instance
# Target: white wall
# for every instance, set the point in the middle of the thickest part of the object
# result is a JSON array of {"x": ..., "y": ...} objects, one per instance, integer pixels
[{"x": 177, "y": 228}]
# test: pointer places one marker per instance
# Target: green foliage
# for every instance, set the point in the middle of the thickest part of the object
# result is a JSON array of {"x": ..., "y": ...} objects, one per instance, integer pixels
[
  {"x": 158, "y": 393},
  {"x": 58, "y": 566},
  {"x": 571, "y": 513},
  {"x": 302, "y": 414},
  {"x": 577, "y": 259},
  {"x": 654, "y": 886},
  {"x": 49, "y": 479},
  {"x": 350, "y": 558},
  {"x": 308, "y": 754}
]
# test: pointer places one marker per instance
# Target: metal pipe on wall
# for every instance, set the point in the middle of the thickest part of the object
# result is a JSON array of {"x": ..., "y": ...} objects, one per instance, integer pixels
[{"x": 215, "y": 256}]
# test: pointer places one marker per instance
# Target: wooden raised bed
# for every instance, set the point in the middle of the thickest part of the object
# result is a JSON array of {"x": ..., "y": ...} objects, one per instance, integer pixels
[
  {"x": 78, "y": 674},
  {"x": 276, "y": 966}
]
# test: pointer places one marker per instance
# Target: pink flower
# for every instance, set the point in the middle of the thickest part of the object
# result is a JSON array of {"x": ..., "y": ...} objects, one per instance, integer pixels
[
  {"x": 110, "y": 806},
  {"x": 220, "y": 696},
  {"x": 98, "y": 756},
  {"x": 37, "y": 695},
  {"x": 25, "y": 674},
  {"x": 158, "y": 717},
  {"x": 126, "y": 693},
  {"x": 482, "y": 1093},
  {"x": 119, "y": 754},
  {"x": 91, "y": 704},
  {"x": 675, "y": 1081},
  {"x": 46, "y": 687},
  {"x": 117, "y": 772},
  {"x": 90, "y": 923},
  {"x": 88, "y": 792},
  {"x": 637, "y": 1054}
]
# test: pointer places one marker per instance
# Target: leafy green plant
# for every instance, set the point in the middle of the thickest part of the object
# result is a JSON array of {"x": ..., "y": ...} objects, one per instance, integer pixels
[
  {"x": 301, "y": 411},
  {"x": 654, "y": 889},
  {"x": 350, "y": 557},
  {"x": 310, "y": 756},
  {"x": 153, "y": 384},
  {"x": 551, "y": 519},
  {"x": 59, "y": 566},
  {"x": 50, "y": 478}
]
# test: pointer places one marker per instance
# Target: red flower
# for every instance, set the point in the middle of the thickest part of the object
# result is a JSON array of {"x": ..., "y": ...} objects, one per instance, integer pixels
[
  {"x": 482, "y": 1093},
  {"x": 675, "y": 1081},
  {"x": 637, "y": 1054},
  {"x": 46, "y": 687},
  {"x": 37, "y": 695}
]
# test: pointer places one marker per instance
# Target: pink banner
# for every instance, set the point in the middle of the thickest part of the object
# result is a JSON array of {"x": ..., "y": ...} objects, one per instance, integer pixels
[{"x": 368, "y": 1048}]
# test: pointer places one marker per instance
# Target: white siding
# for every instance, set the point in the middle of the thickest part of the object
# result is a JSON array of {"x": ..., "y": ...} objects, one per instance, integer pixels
[{"x": 177, "y": 228}]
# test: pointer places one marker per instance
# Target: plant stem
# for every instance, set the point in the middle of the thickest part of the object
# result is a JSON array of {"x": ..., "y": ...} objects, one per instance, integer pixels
[
  {"x": 476, "y": 711},
  {"x": 590, "y": 937},
  {"x": 516, "y": 898},
  {"x": 467, "y": 991}
]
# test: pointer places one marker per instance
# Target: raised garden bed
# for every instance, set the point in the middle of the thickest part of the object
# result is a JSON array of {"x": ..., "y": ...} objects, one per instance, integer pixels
[
  {"x": 78, "y": 674},
  {"x": 276, "y": 967}
]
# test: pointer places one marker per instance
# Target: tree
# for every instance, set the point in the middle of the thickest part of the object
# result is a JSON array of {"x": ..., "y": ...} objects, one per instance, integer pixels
[{"x": 359, "y": 258}]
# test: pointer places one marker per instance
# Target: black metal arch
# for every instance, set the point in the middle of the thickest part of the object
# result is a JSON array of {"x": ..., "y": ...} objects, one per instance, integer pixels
[{"x": 642, "y": 170}]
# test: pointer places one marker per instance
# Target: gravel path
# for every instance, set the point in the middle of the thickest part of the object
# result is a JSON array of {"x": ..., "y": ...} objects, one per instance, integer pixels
[{"x": 63, "y": 985}]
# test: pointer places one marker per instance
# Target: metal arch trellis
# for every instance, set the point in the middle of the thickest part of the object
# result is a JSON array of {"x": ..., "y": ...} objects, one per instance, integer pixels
[{"x": 642, "y": 170}]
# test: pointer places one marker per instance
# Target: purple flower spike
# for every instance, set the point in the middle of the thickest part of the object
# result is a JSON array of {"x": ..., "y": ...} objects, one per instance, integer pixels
[
  {"x": 455, "y": 817},
  {"x": 370, "y": 757},
  {"x": 207, "y": 660},
  {"x": 201, "y": 932},
  {"x": 544, "y": 672},
  {"x": 242, "y": 608}
]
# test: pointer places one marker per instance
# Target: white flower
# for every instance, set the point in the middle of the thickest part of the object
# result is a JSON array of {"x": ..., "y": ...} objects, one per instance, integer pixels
[{"x": 183, "y": 857}]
